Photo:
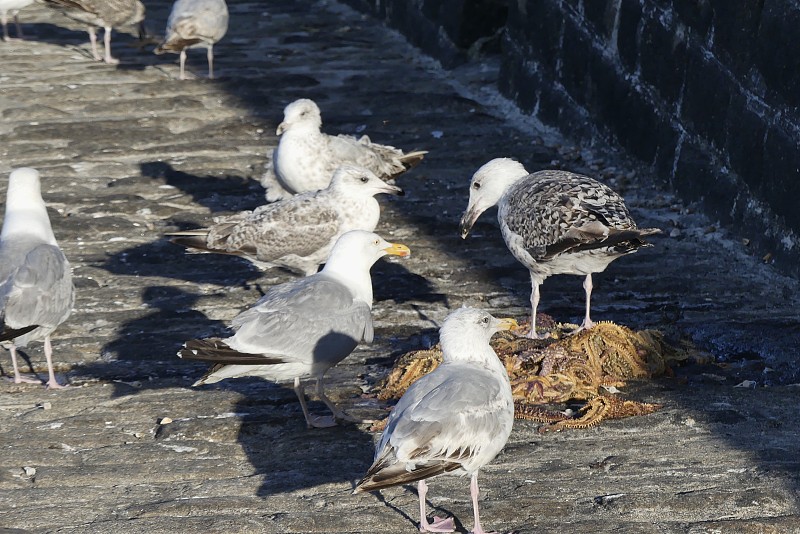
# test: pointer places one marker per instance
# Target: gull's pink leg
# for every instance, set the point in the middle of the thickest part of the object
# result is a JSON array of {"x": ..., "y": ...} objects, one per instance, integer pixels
[
  {"x": 183, "y": 64},
  {"x": 18, "y": 378},
  {"x": 210, "y": 55},
  {"x": 93, "y": 41},
  {"x": 587, "y": 322},
  {"x": 52, "y": 383},
  {"x": 19, "y": 27},
  {"x": 312, "y": 421},
  {"x": 534, "y": 306},
  {"x": 4, "y": 21},
  {"x": 107, "y": 42},
  {"x": 438, "y": 524},
  {"x": 337, "y": 413},
  {"x": 473, "y": 490}
]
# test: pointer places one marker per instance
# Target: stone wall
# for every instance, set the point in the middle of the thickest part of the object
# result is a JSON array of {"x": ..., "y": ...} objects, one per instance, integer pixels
[{"x": 705, "y": 91}]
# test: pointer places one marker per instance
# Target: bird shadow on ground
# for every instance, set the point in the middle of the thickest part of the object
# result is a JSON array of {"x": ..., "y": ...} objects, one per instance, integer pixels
[
  {"x": 147, "y": 346},
  {"x": 217, "y": 193},
  {"x": 298, "y": 457},
  {"x": 164, "y": 259}
]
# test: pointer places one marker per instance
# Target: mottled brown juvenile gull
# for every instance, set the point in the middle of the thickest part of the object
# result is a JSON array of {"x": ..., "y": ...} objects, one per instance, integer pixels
[
  {"x": 303, "y": 328},
  {"x": 554, "y": 222},
  {"x": 36, "y": 291},
  {"x": 306, "y": 158},
  {"x": 453, "y": 420},
  {"x": 192, "y": 24},
  {"x": 13, "y": 7},
  {"x": 106, "y": 14},
  {"x": 297, "y": 233}
]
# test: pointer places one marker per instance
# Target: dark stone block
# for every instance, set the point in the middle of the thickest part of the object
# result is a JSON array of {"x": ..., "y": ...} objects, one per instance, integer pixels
[
  {"x": 778, "y": 59},
  {"x": 694, "y": 174},
  {"x": 667, "y": 136},
  {"x": 781, "y": 174},
  {"x": 744, "y": 145},
  {"x": 630, "y": 16},
  {"x": 696, "y": 14},
  {"x": 576, "y": 54},
  {"x": 707, "y": 97},
  {"x": 735, "y": 28},
  {"x": 662, "y": 59},
  {"x": 538, "y": 24},
  {"x": 600, "y": 14}
]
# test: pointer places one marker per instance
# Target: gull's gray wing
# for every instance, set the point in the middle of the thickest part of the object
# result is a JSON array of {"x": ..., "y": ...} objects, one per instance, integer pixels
[
  {"x": 442, "y": 422},
  {"x": 300, "y": 226},
  {"x": 312, "y": 320},
  {"x": 383, "y": 160},
  {"x": 36, "y": 286},
  {"x": 554, "y": 211}
]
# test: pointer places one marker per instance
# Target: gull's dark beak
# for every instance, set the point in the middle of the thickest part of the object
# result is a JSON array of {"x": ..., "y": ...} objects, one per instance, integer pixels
[{"x": 469, "y": 218}]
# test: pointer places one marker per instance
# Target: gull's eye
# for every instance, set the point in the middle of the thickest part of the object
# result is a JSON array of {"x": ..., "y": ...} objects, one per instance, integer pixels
[
  {"x": 485, "y": 320},
  {"x": 364, "y": 179},
  {"x": 376, "y": 242},
  {"x": 476, "y": 185}
]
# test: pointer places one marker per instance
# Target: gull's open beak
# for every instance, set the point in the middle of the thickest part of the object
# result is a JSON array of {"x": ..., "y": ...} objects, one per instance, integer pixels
[
  {"x": 507, "y": 323},
  {"x": 396, "y": 249},
  {"x": 281, "y": 128},
  {"x": 469, "y": 218}
]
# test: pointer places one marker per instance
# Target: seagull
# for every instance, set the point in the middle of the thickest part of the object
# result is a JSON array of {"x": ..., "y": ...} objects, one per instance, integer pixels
[
  {"x": 36, "y": 291},
  {"x": 554, "y": 222},
  {"x": 303, "y": 328},
  {"x": 13, "y": 7},
  {"x": 297, "y": 233},
  {"x": 192, "y": 24},
  {"x": 106, "y": 14},
  {"x": 454, "y": 420},
  {"x": 306, "y": 158}
]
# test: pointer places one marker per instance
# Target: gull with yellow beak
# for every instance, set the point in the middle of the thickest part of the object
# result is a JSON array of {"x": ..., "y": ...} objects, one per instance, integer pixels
[
  {"x": 455, "y": 419},
  {"x": 304, "y": 327}
]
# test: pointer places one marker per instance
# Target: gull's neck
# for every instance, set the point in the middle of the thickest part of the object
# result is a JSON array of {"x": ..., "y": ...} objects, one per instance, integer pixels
[
  {"x": 26, "y": 214},
  {"x": 458, "y": 347},
  {"x": 352, "y": 274}
]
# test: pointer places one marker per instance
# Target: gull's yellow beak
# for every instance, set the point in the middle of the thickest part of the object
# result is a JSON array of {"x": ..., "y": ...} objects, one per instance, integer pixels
[
  {"x": 507, "y": 323},
  {"x": 396, "y": 249},
  {"x": 281, "y": 128}
]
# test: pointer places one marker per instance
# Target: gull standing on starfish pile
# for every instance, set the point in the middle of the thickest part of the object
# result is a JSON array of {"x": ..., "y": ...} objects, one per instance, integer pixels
[
  {"x": 306, "y": 158},
  {"x": 554, "y": 222},
  {"x": 106, "y": 14},
  {"x": 36, "y": 291},
  {"x": 297, "y": 233},
  {"x": 455, "y": 419},
  {"x": 303, "y": 328},
  {"x": 13, "y": 7},
  {"x": 193, "y": 24}
]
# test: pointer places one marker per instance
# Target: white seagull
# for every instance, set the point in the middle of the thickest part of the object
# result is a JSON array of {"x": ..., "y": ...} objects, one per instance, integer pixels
[
  {"x": 297, "y": 233},
  {"x": 36, "y": 291},
  {"x": 306, "y": 158},
  {"x": 454, "y": 420},
  {"x": 303, "y": 328},
  {"x": 554, "y": 222},
  {"x": 192, "y": 24},
  {"x": 13, "y": 7}
]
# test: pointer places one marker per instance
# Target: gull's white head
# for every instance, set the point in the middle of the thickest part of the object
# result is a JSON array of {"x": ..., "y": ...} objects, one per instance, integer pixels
[
  {"x": 352, "y": 180},
  {"x": 466, "y": 332},
  {"x": 25, "y": 209},
  {"x": 302, "y": 113},
  {"x": 359, "y": 249},
  {"x": 487, "y": 187}
]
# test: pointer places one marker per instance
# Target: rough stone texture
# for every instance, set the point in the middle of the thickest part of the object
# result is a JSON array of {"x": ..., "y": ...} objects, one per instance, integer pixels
[
  {"x": 129, "y": 153},
  {"x": 706, "y": 92}
]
